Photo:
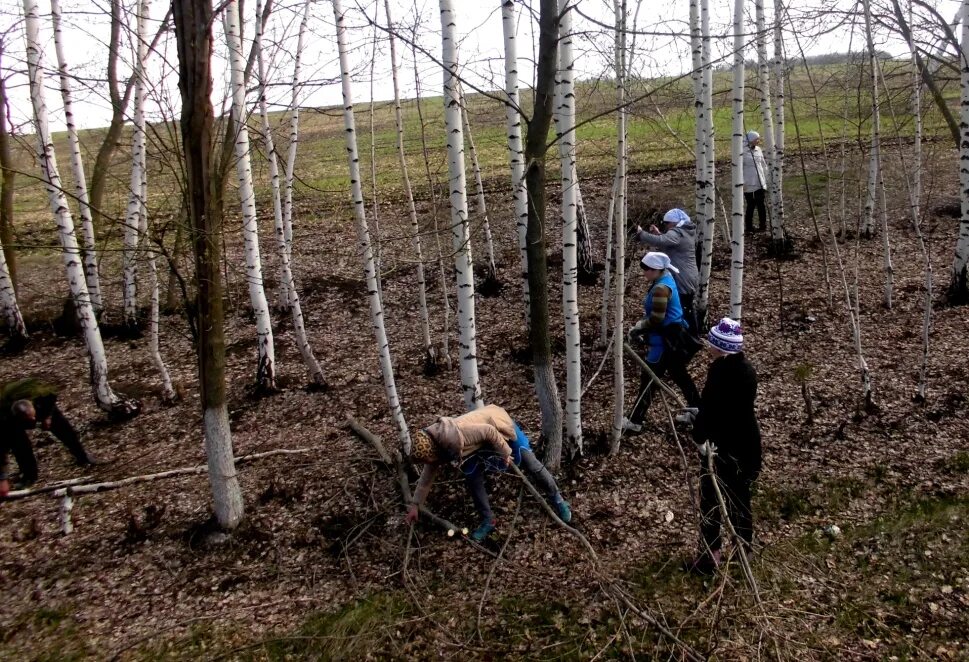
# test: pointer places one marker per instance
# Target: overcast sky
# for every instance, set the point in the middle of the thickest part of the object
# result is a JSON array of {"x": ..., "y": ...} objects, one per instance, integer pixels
[{"x": 664, "y": 51}]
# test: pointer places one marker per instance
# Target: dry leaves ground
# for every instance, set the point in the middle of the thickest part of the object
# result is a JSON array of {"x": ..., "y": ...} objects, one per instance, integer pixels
[{"x": 316, "y": 570}]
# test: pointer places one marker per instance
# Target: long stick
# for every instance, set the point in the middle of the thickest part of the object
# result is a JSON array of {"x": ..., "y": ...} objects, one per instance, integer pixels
[{"x": 645, "y": 366}]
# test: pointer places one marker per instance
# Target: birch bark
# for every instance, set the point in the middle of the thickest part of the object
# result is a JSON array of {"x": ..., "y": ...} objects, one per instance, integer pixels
[
  {"x": 103, "y": 394},
  {"x": 709, "y": 224},
  {"x": 482, "y": 207},
  {"x": 737, "y": 168},
  {"x": 619, "y": 241},
  {"x": 133, "y": 221},
  {"x": 363, "y": 235},
  {"x": 290, "y": 169},
  {"x": 777, "y": 165},
  {"x": 764, "y": 80},
  {"x": 460, "y": 230},
  {"x": 285, "y": 259},
  {"x": 408, "y": 193},
  {"x": 8, "y": 304},
  {"x": 266, "y": 359},
  {"x": 513, "y": 123},
  {"x": 89, "y": 252}
]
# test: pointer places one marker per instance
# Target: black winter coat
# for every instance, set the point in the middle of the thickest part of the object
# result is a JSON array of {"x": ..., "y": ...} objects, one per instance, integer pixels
[{"x": 726, "y": 415}]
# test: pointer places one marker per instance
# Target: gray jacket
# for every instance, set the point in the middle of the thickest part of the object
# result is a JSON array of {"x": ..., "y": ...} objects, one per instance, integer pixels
[{"x": 680, "y": 245}]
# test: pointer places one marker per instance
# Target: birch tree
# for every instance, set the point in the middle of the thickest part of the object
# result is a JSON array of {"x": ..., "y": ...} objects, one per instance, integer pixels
[
  {"x": 536, "y": 150},
  {"x": 8, "y": 177},
  {"x": 777, "y": 164},
  {"x": 105, "y": 397},
  {"x": 959, "y": 283},
  {"x": 363, "y": 234},
  {"x": 89, "y": 253},
  {"x": 737, "y": 167},
  {"x": 193, "y": 38},
  {"x": 133, "y": 221},
  {"x": 409, "y": 195},
  {"x": 460, "y": 229},
  {"x": 709, "y": 223},
  {"x": 619, "y": 241},
  {"x": 764, "y": 81},
  {"x": 513, "y": 124},
  {"x": 565, "y": 120},
  {"x": 9, "y": 310},
  {"x": 293, "y": 144},
  {"x": 696, "y": 76},
  {"x": 285, "y": 261},
  {"x": 266, "y": 361},
  {"x": 481, "y": 207}
]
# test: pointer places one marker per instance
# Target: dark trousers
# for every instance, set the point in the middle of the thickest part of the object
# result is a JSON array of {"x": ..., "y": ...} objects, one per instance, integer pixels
[
  {"x": 689, "y": 313},
  {"x": 23, "y": 452},
  {"x": 735, "y": 480},
  {"x": 752, "y": 200},
  {"x": 533, "y": 469},
  {"x": 674, "y": 364}
]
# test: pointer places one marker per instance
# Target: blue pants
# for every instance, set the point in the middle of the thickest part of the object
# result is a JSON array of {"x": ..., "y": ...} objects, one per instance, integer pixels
[{"x": 487, "y": 461}]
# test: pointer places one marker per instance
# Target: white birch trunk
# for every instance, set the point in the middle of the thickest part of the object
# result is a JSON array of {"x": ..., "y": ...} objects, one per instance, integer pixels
[
  {"x": 607, "y": 276},
  {"x": 266, "y": 358},
  {"x": 513, "y": 123},
  {"x": 460, "y": 231},
  {"x": 959, "y": 285},
  {"x": 619, "y": 242},
  {"x": 89, "y": 254},
  {"x": 564, "y": 119},
  {"x": 103, "y": 395},
  {"x": 405, "y": 180},
  {"x": 482, "y": 207},
  {"x": 876, "y": 183},
  {"x": 874, "y": 162},
  {"x": 133, "y": 221},
  {"x": 363, "y": 236},
  {"x": 737, "y": 168},
  {"x": 290, "y": 170},
  {"x": 9, "y": 309},
  {"x": 285, "y": 261},
  {"x": 168, "y": 390},
  {"x": 226, "y": 494},
  {"x": 709, "y": 224},
  {"x": 777, "y": 165},
  {"x": 696, "y": 75},
  {"x": 763, "y": 78}
]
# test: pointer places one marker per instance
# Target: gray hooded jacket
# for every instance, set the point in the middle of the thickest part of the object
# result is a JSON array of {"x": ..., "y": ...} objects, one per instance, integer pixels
[{"x": 680, "y": 245}]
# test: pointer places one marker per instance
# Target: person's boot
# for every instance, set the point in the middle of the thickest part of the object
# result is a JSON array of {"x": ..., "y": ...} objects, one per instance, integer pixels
[
  {"x": 631, "y": 428},
  {"x": 483, "y": 531},
  {"x": 91, "y": 460},
  {"x": 562, "y": 509},
  {"x": 704, "y": 563}
]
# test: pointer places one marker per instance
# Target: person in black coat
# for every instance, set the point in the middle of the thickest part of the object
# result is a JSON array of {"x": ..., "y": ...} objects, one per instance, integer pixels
[{"x": 726, "y": 421}]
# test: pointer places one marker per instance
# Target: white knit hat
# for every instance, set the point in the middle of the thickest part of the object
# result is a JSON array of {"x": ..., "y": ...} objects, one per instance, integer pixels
[
  {"x": 752, "y": 136},
  {"x": 656, "y": 260}
]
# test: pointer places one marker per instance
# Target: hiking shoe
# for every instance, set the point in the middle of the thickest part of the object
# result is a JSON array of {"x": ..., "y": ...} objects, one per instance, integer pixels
[
  {"x": 91, "y": 460},
  {"x": 687, "y": 416},
  {"x": 563, "y": 510},
  {"x": 631, "y": 428},
  {"x": 483, "y": 531},
  {"x": 703, "y": 564}
]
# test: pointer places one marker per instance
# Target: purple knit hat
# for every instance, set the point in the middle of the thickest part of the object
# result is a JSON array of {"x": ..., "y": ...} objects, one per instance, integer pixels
[{"x": 727, "y": 336}]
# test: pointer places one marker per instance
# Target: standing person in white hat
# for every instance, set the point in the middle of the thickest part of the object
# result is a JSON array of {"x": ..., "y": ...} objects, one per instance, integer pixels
[
  {"x": 663, "y": 330},
  {"x": 755, "y": 181}
]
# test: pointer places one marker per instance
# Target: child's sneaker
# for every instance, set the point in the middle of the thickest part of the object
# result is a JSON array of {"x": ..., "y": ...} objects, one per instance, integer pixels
[
  {"x": 563, "y": 510},
  {"x": 483, "y": 531}
]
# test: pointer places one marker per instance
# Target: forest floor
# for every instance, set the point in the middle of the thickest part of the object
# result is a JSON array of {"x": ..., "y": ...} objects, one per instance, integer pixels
[{"x": 318, "y": 568}]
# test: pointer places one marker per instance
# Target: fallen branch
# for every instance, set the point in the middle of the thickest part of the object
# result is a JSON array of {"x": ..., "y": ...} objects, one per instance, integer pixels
[
  {"x": 81, "y": 486},
  {"x": 645, "y": 366},
  {"x": 397, "y": 463}
]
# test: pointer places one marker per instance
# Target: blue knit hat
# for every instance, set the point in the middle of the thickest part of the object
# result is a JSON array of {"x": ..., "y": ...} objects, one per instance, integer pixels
[
  {"x": 676, "y": 216},
  {"x": 727, "y": 336}
]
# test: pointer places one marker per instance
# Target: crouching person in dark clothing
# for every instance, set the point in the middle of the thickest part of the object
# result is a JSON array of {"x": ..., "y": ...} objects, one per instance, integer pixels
[
  {"x": 482, "y": 441},
  {"x": 24, "y": 405},
  {"x": 727, "y": 422}
]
